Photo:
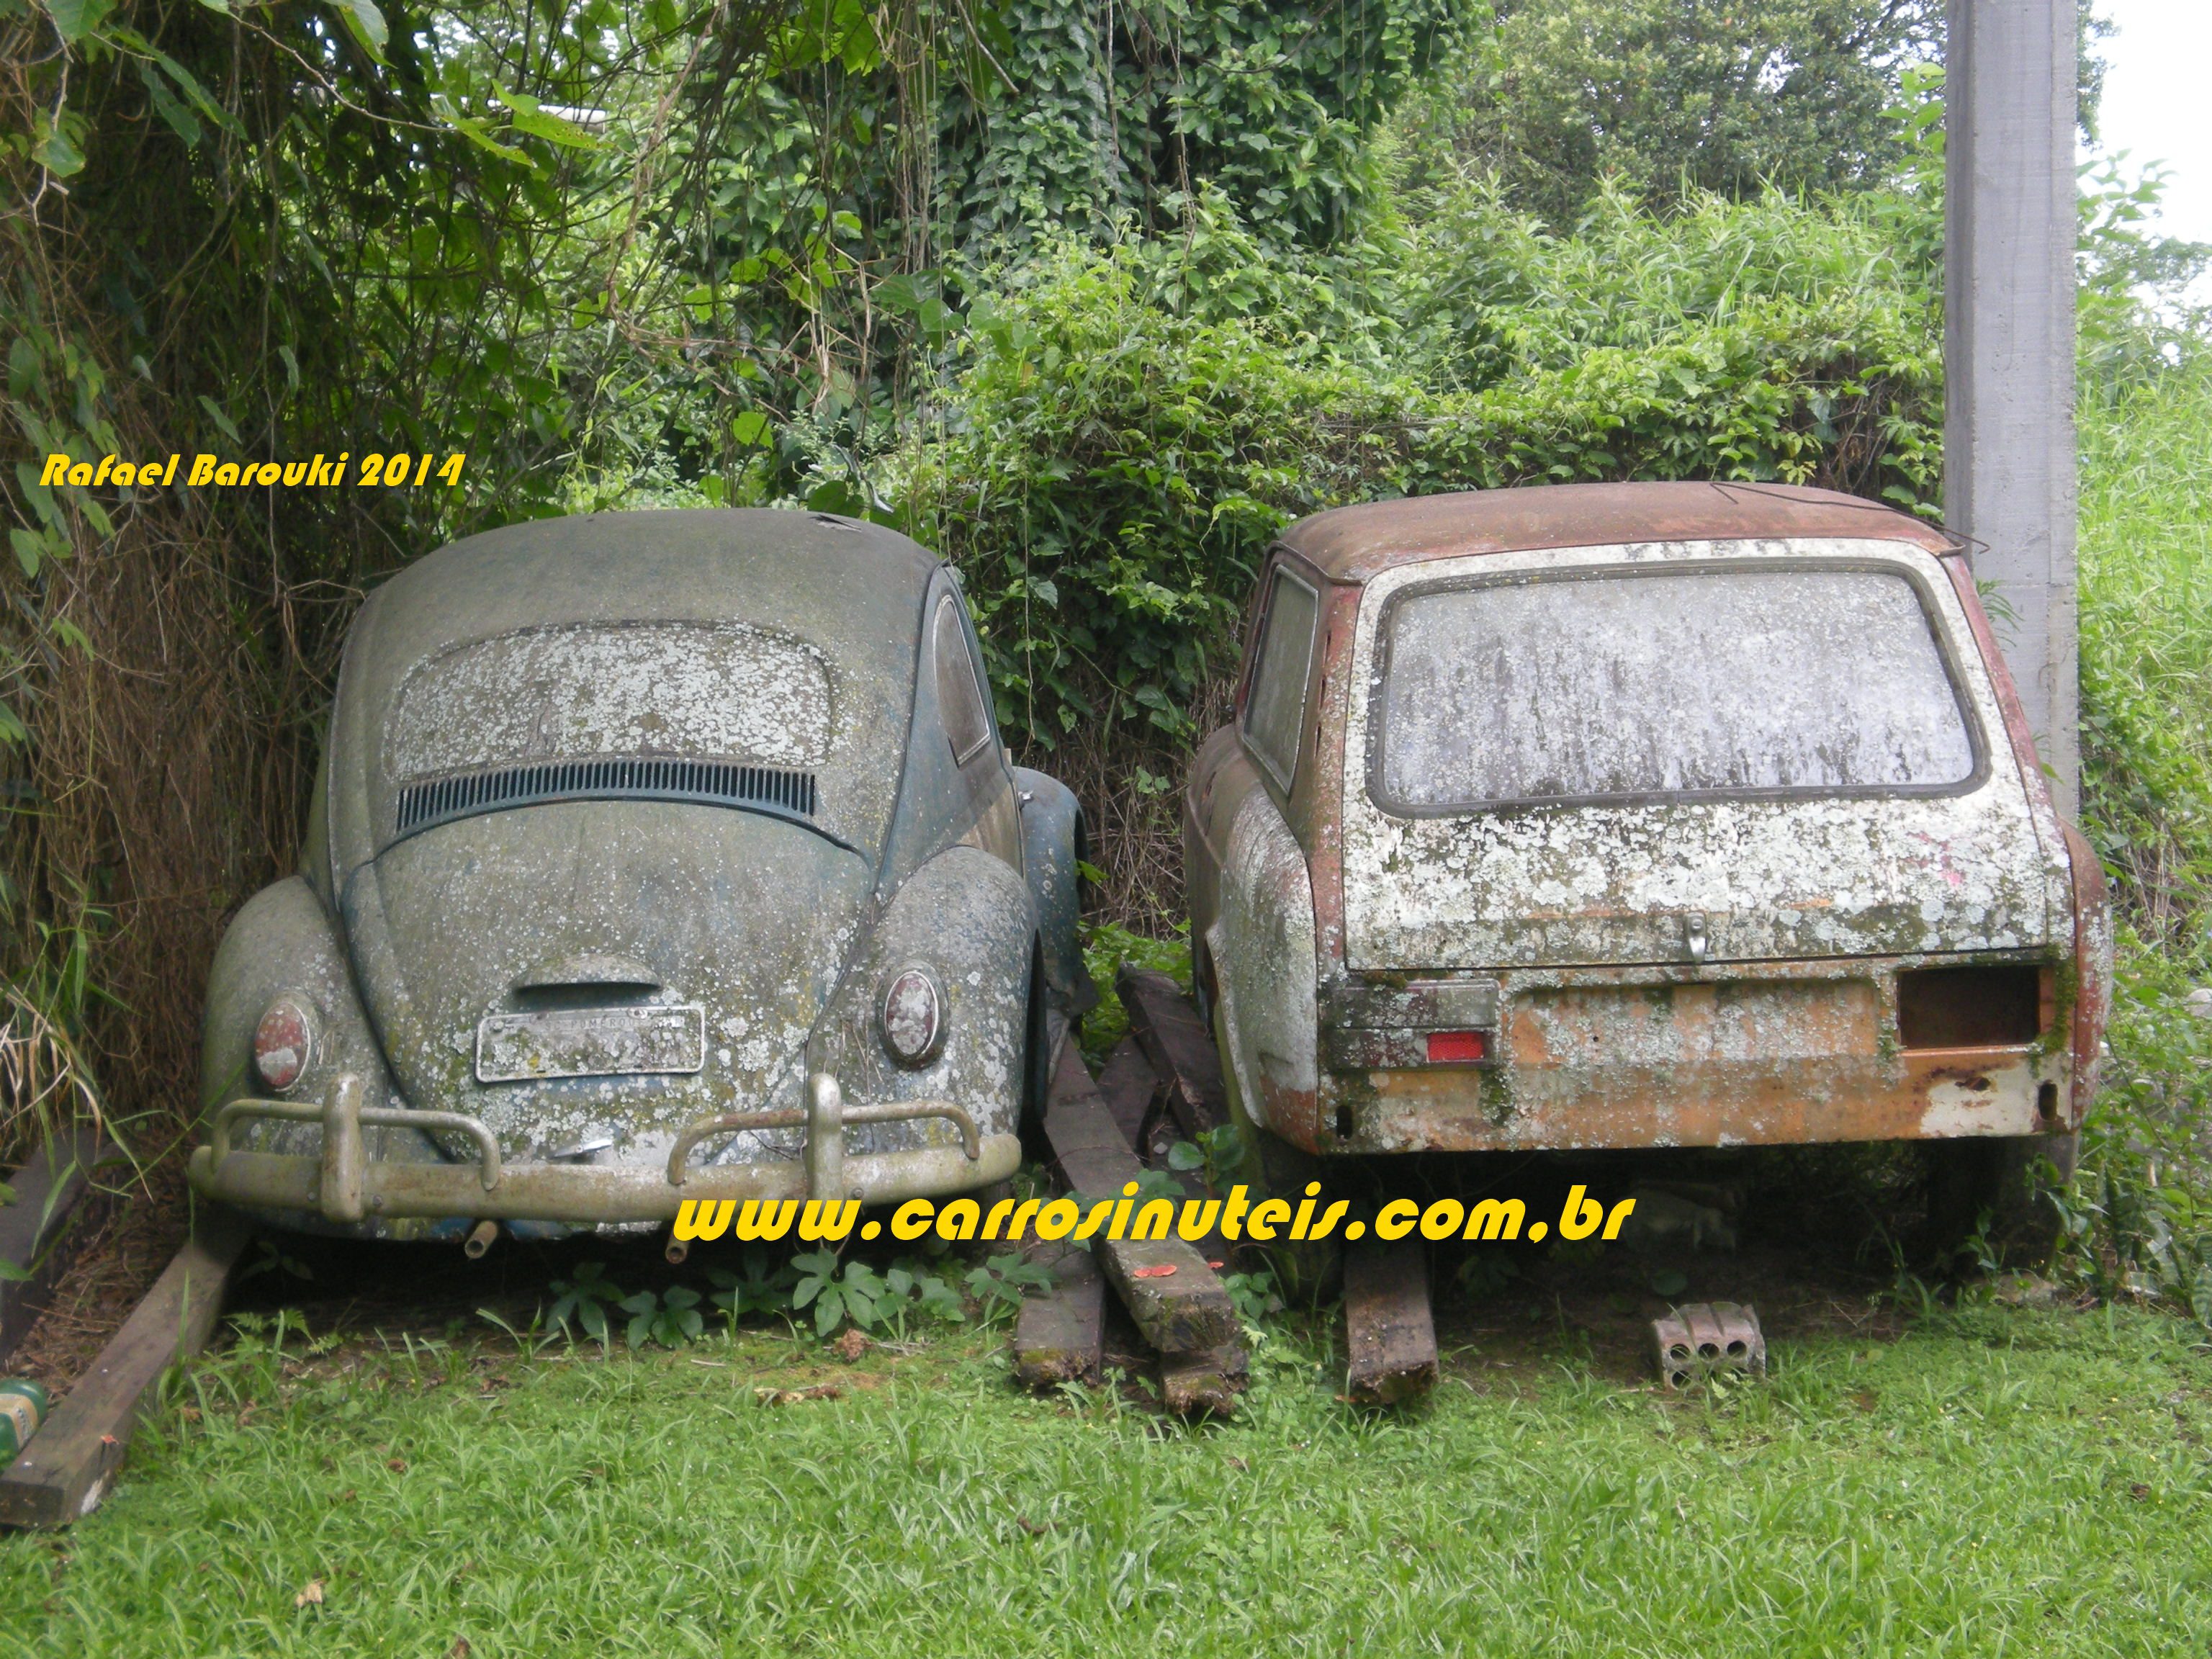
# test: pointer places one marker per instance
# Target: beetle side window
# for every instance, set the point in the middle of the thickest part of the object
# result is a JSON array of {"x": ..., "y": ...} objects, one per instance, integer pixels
[
  {"x": 959, "y": 688},
  {"x": 1275, "y": 710}
]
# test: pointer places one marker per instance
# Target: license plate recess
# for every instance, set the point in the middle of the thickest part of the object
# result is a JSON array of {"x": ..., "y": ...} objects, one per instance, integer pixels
[{"x": 558, "y": 1042}]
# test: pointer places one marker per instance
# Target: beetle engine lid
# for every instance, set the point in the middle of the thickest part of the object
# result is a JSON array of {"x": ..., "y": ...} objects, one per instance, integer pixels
[{"x": 758, "y": 660}]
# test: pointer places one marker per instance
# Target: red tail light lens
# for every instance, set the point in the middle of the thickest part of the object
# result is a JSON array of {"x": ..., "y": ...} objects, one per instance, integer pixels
[
  {"x": 1458, "y": 1048},
  {"x": 283, "y": 1043},
  {"x": 914, "y": 1016}
]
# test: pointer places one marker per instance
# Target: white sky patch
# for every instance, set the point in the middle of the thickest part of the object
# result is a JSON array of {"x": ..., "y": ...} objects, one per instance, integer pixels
[{"x": 2155, "y": 107}]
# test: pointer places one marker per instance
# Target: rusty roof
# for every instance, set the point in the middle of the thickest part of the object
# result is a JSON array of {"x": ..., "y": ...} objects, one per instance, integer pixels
[{"x": 1351, "y": 544}]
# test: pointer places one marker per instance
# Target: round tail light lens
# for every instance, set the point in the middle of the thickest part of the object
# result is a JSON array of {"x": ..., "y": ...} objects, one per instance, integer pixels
[
  {"x": 283, "y": 1043},
  {"x": 914, "y": 1016}
]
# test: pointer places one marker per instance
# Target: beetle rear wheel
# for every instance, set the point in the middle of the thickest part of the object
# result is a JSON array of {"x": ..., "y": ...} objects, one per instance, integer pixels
[{"x": 1037, "y": 1044}]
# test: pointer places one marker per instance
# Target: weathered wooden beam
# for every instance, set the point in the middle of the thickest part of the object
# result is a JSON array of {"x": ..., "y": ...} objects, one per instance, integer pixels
[
  {"x": 1127, "y": 1083},
  {"x": 1204, "y": 1385},
  {"x": 1388, "y": 1329},
  {"x": 65, "y": 1470},
  {"x": 1177, "y": 1300},
  {"x": 1178, "y": 1045},
  {"x": 55, "y": 1209},
  {"x": 1060, "y": 1337}
]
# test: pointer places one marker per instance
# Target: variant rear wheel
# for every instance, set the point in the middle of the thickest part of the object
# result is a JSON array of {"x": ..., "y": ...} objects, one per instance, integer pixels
[
  {"x": 1273, "y": 1167},
  {"x": 1996, "y": 1190}
]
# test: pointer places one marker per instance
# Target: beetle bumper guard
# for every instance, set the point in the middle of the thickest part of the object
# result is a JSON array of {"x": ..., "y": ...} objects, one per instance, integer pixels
[{"x": 345, "y": 1185}]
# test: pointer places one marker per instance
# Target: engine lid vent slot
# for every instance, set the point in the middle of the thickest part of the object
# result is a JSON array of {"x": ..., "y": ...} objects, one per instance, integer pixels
[{"x": 711, "y": 783}]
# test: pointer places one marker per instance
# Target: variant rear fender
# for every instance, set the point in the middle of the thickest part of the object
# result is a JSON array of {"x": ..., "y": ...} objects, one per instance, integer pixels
[{"x": 1261, "y": 947}]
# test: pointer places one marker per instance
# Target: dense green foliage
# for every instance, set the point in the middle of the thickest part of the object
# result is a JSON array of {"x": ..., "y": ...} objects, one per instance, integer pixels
[
  {"x": 1118, "y": 449},
  {"x": 2142, "y": 1212},
  {"x": 1710, "y": 94},
  {"x": 1556, "y": 98}
]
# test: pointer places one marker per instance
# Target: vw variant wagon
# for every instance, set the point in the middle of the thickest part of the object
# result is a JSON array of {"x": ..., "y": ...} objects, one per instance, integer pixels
[{"x": 1636, "y": 815}]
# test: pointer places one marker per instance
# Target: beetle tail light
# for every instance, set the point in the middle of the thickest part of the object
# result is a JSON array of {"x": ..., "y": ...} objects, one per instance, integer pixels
[
  {"x": 914, "y": 1016},
  {"x": 1458, "y": 1048},
  {"x": 284, "y": 1042}
]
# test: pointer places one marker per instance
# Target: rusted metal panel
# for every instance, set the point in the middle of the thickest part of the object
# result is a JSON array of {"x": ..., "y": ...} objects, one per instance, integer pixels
[
  {"x": 1746, "y": 1055},
  {"x": 1352, "y": 543}
]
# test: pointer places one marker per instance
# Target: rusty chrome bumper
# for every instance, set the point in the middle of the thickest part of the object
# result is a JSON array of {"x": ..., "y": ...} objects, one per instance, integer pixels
[{"x": 344, "y": 1185}]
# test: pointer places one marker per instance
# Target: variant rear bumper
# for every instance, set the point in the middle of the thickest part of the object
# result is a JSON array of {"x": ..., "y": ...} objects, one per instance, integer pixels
[
  {"x": 1719, "y": 1055},
  {"x": 344, "y": 1185}
]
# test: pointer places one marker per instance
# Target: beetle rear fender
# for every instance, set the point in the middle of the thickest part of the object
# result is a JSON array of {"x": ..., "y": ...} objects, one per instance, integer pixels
[
  {"x": 968, "y": 920},
  {"x": 1054, "y": 846},
  {"x": 1261, "y": 946},
  {"x": 282, "y": 941}
]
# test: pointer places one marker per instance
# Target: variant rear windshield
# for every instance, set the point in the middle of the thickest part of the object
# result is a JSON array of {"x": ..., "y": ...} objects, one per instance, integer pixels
[{"x": 1709, "y": 682}]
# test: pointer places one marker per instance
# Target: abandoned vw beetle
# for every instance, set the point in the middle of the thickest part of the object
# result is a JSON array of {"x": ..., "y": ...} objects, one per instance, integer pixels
[
  {"x": 1634, "y": 816},
  {"x": 655, "y": 856}
]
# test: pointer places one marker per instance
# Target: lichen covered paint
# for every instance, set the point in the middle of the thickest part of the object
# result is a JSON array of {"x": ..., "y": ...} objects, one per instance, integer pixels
[
  {"x": 1708, "y": 956},
  {"x": 588, "y": 977},
  {"x": 1633, "y": 880}
]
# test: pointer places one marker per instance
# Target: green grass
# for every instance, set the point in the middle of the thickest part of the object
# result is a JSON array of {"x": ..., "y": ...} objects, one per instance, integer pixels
[{"x": 2004, "y": 1482}]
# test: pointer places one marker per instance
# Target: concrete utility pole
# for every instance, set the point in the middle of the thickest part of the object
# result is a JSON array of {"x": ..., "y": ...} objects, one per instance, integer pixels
[{"x": 2008, "y": 452}]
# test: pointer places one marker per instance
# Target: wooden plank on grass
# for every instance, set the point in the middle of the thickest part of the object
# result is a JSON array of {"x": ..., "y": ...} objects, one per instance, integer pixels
[
  {"x": 1177, "y": 1301},
  {"x": 56, "y": 1208},
  {"x": 1388, "y": 1329},
  {"x": 1179, "y": 1049},
  {"x": 1060, "y": 1337},
  {"x": 1204, "y": 1385},
  {"x": 65, "y": 1470}
]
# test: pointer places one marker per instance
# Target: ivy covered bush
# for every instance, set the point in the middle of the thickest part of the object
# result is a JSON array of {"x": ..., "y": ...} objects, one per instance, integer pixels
[{"x": 1124, "y": 426}]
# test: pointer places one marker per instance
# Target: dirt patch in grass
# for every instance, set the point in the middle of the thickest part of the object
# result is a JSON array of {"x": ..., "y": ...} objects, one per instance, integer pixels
[{"x": 115, "y": 1267}]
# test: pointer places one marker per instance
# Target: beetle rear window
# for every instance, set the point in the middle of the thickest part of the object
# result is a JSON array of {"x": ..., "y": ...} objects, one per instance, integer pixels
[
  {"x": 689, "y": 689},
  {"x": 1710, "y": 682}
]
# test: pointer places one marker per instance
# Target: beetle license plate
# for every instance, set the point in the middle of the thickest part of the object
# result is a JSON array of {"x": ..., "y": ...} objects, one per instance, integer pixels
[{"x": 590, "y": 1042}]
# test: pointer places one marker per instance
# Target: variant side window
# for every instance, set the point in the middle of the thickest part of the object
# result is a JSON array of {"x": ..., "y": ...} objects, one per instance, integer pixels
[
  {"x": 959, "y": 687},
  {"x": 1275, "y": 707}
]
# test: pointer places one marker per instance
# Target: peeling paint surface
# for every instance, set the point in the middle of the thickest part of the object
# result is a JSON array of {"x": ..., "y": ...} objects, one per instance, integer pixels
[
  {"x": 1735, "y": 1055},
  {"x": 692, "y": 689},
  {"x": 1626, "y": 882}
]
